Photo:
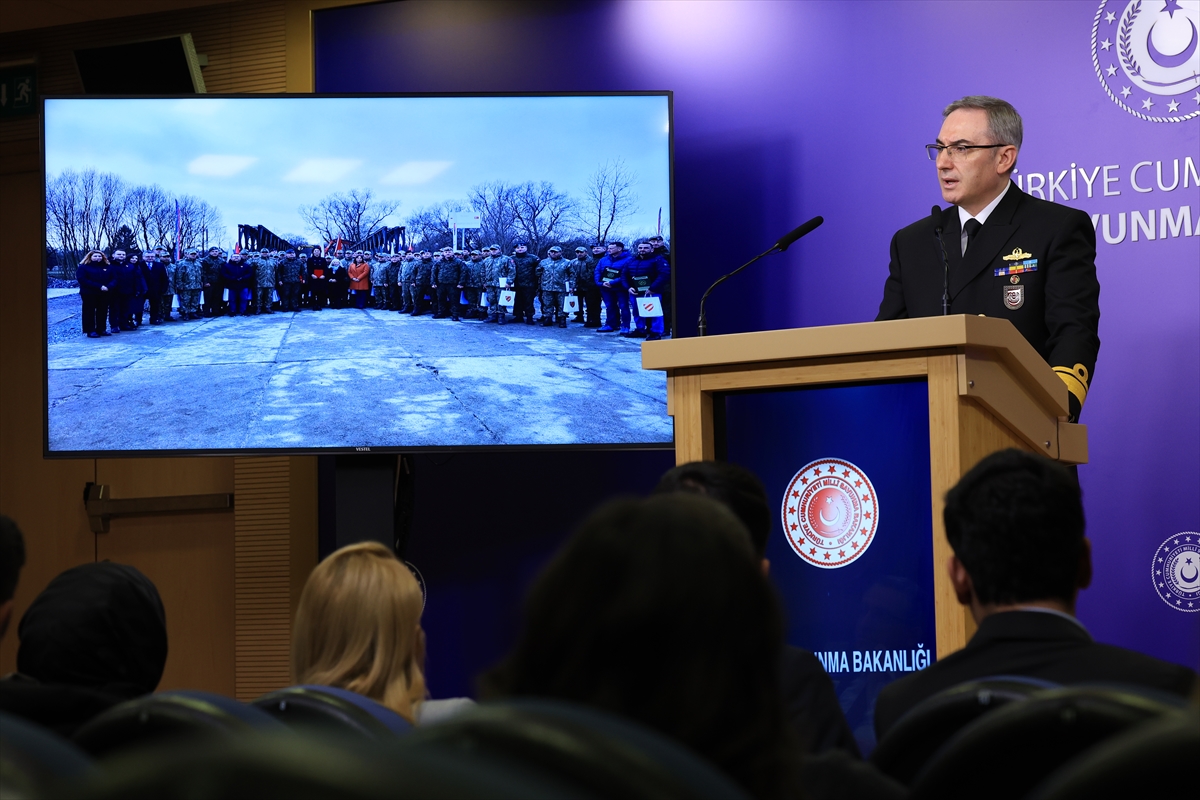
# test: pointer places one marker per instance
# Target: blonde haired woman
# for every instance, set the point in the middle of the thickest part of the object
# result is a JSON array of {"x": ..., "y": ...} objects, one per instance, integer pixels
[{"x": 358, "y": 627}]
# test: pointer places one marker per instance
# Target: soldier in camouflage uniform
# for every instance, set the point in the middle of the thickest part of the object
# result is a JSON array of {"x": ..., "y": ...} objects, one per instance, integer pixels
[
  {"x": 472, "y": 281},
  {"x": 395, "y": 261},
  {"x": 289, "y": 277},
  {"x": 406, "y": 277},
  {"x": 211, "y": 281},
  {"x": 163, "y": 256},
  {"x": 499, "y": 272},
  {"x": 379, "y": 265},
  {"x": 421, "y": 277},
  {"x": 557, "y": 278},
  {"x": 264, "y": 281},
  {"x": 189, "y": 276},
  {"x": 586, "y": 289},
  {"x": 447, "y": 281}
]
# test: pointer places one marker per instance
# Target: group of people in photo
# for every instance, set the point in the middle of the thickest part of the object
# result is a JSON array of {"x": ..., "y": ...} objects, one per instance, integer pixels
[{"x": 610, "y": 288}]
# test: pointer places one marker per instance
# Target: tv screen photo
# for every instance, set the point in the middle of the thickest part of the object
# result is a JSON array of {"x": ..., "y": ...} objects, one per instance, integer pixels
[{"x": 289, "y": 274}]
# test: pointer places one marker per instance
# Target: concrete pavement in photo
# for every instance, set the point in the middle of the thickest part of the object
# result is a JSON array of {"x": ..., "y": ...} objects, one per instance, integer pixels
[{"x": 350, "y": 378}]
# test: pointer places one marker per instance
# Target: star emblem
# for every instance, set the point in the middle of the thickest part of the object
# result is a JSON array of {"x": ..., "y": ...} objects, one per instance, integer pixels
[
  {"x": 1172, "y": 106},
  {"x": 841, "y": 553},
  {"x": 845, "y": 473},
  {"x": 1147, "y": 104},
  {"x": 1105, "y": 44},
  {"x": 1111, "y": 70},
  {"x": 1126, "y": 92},
  {"x": 1110, "y": 18},
  {"x": 867, "y": 515},
  {"x": 832, "y": 469},
  {"x": 827, "y": 556},
  {"x": 812, "y": 551},
  {"x": 795, "y": 493},
  {"x": 817, "y": 472},
  {"x": 854, "y": 545},
  {"x": 794, "y": 526},
  {"x": 1171, "y": 6},
  {"x": 857, "y": 484},
  {"x": 791, "y": 509}
]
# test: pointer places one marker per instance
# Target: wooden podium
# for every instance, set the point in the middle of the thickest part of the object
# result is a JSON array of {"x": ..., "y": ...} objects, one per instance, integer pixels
[{"x": 988, "y": 390}]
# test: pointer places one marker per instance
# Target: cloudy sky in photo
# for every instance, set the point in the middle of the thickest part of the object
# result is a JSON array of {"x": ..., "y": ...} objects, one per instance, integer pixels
[{"x": 258, "y": 159}]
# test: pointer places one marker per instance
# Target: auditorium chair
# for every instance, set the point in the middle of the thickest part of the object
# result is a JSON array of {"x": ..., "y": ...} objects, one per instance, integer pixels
[
  {"x": 168, "y": 716},
  {"x": 332, "y": 710},
  {"x": 921, "y": 732},
  {"x": 1007, "y": 753},
  {"x": 35, "y": 762},
  {"x": 1155, "y": 758},
  {"x": 552, "y": 749}
]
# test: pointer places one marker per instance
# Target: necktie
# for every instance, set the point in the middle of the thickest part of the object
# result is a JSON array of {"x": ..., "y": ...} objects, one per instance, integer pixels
[{"x": 971, "y": 227}]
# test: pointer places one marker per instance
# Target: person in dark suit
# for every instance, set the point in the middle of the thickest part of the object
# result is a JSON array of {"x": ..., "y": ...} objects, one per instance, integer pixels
[
  {"x": 808, "y": 693},
  {"x": 1010, "y": 255},
  {"x": 1015, "y": 524}
]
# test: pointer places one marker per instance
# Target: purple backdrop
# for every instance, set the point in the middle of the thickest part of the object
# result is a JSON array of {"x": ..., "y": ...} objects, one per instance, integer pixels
[{"x": 784, "y": 110}]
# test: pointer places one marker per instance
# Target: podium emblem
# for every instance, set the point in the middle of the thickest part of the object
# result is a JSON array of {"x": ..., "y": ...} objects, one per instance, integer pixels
[
  {"x": 830, "y": 513},
  {"x": 1176, "y": 571}
]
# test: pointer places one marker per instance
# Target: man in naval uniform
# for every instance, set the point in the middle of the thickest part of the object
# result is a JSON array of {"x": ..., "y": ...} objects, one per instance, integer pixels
[{"x": 1010, "y": 255}]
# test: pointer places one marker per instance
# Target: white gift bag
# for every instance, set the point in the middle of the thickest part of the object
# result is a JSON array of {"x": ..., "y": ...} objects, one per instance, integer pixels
[
  {"x": 508, "y": 298},
  {"x": 649, "y": 307},
  {"x": 174, "y": 302},
  {"x": 225, "y": 295},
  {"x": 275, "y": 296},
  {"x": 462, "y": 298},
  {"x": 570, "y": 304},
  {"x": 483, "y": 303}
]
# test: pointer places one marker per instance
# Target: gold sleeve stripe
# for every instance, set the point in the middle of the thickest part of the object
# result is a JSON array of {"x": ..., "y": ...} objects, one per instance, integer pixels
[{"x": 1076, "y": 379}]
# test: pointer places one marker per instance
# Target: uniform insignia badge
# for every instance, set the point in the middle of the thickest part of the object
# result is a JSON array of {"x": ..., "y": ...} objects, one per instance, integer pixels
[
  {"x": 1028, "y": 264},
  {"x": 1014, "y": 297},
  {"x": 1014, "y": 278},
  {"x": 830, "y": 513},
  {"x": 1017, "y": 255}
]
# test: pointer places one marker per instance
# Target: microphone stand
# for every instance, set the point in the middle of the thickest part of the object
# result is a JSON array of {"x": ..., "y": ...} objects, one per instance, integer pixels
[
  {"x": 703, "y": 324},
  {"x": 945, "y": 275}
]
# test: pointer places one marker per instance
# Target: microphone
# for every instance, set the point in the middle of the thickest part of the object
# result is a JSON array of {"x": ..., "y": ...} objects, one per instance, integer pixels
[
  {"x": 936, "y": 216},
  {"x": 783, "y": 244}
]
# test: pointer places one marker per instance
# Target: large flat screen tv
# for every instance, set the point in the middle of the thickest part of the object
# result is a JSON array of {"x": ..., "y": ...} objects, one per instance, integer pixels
[{"x": 345, "y": 306}]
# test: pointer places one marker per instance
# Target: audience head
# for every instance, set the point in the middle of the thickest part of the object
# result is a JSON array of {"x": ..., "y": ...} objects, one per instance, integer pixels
[
  {"x": 12, "y": 558},
  {"x": 358, "y": 627},
  {"x": 657, "y": 610},
  {"x": 733, "y": 486},
  {"x": 1015, "y": 523},
  {"x": 99, "y": 626}
]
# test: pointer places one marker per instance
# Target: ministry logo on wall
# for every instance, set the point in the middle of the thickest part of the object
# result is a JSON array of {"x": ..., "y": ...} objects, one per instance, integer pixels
[
  {"x": 1176, "y": 571},
  {"x": 830, "y": 513},
  {"x": 1147, "y": 57}
]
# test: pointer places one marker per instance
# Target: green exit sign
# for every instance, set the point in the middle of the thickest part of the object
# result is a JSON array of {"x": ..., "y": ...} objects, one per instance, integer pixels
[{"x": 18, "y": 90}]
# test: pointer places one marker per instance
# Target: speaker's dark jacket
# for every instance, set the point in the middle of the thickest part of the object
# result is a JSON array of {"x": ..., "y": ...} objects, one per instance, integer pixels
[
  {"x": 1045, "y": 254},
  {"x": 1033, "y": 644}
]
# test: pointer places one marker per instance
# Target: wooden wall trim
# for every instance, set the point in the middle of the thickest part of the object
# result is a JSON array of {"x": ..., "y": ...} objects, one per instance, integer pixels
[{"x": 262, "y": 575}]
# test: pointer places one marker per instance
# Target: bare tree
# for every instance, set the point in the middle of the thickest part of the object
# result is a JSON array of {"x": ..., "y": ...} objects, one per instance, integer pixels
[
  {"x": 110, "y": 205},
  {"x": 608, "y": 200},
  {"x": 430, "y": 227},
  {"x": 493, "y": 202},
  {"x": 84, "y": 209},
  {"x": 353, "y": 216},
  {"x": 147, "y": 210},
  {"x": 541, "y": 213}
]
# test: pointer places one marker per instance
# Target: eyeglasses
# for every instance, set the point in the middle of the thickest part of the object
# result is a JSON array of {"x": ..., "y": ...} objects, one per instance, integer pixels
[{"x": 956, "y": 151}]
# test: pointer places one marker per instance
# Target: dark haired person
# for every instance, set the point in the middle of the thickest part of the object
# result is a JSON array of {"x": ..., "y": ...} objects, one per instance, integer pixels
[
  {"x": 360, "y": 281},
  {"x": 137, "y": 304},
  {"x": 607, "y": 274},
  {"x": 656, "y": 610},
  {"x": 808, "y": 693},
  {"x": 236, "y": 276},
  {"x": 472, "y": 280},
  {"x": 12, "y": 558},
  {"x": 325, "y": 285},
  {"x": 422, "y": 276},
  {"x": 264, "y": 281},
  {"x": 157, "y": 283},
  {"x": 289, "y": 277},
  {"x": 646, "y": 275},
  {"x": 525, "y": 282},
  {"x": 392, "y": 276},
  {"x": 1015, "y": 524},
  {"x": 94, "y": 637},
  {"x": 96, "y": 280},
  {"x": 1010, "y": 255},
  {"x": 126, "y": 287}
]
